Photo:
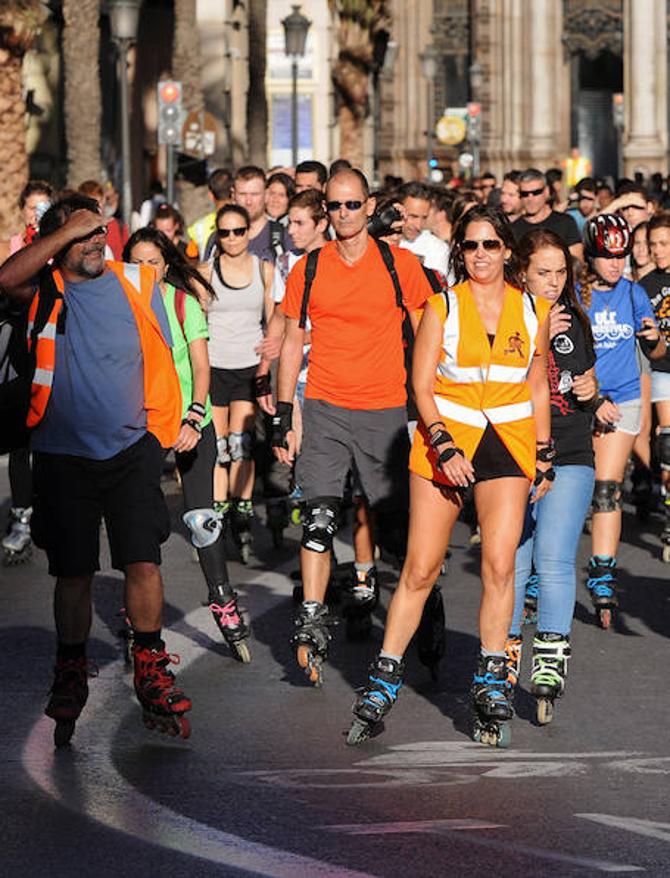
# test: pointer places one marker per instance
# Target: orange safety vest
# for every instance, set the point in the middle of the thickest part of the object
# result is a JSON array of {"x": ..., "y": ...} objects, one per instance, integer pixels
[
  {"x": 478, "y": 384},
  {"x": 162, "y": 394}
]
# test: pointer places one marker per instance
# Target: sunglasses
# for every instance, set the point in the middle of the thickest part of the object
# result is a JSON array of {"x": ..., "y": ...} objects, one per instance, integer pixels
[
  {"x": 530, "y": 192},
  {"x": 490, "y": 244},
  {"x": 224, "y": 233},
  {"x": 332, "y": 206}
]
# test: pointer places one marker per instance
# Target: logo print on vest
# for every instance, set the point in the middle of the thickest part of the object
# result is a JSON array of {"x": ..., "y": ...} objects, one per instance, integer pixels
[{"x": 515, "y": 345}]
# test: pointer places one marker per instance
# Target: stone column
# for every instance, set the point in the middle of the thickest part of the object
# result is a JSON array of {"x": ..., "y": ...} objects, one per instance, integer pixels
[{"x": 645, "y": 84}]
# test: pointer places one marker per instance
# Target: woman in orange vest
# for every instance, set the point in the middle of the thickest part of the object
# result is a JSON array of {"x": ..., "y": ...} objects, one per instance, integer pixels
[{"x": 480, "y": 383}]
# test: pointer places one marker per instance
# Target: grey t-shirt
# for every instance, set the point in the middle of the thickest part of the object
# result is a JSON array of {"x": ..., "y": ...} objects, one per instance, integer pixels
[{"x": 96, "y": 406}]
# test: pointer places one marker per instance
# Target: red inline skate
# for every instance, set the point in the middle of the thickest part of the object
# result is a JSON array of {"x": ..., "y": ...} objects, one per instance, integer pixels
[{"x": 163, "y": 705}]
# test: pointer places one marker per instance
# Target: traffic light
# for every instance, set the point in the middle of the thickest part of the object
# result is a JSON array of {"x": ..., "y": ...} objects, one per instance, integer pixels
[
  {"x": 170, "y": 112},
  {"x": 432, "y": 163}
]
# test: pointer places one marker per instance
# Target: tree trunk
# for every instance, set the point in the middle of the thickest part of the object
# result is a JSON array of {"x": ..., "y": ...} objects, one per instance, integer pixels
[
  {"x": 13, "y": 157},
  {"x": 83, "y": 102},
  {"x": 187, "y": 69},
  {"x": 257, "y": 104}
]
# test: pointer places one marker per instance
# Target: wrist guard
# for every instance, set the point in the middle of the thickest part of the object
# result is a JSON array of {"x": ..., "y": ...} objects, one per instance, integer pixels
[
  {"x": 546, "y": 451},
  {"x": 439, "y": 437},
  {"x": 282, "y": 424},
  {"x": 263, "y": 385},
  {"x": 541, "y": 475},
  {"x": 193, "y": 424},
  {"x": 197, "y": 409},
  {"x": 447, "y": 454}
]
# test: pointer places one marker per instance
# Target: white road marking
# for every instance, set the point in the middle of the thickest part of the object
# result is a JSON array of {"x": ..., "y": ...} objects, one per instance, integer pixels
[
  {"x": 89, "y": 784},
  {"x": 650, "y": 828},
  {"x": 448, "y": 827}
]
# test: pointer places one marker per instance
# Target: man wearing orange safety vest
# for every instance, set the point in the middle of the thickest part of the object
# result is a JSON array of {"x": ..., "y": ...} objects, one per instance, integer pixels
[{"x": 104, "y": 403}]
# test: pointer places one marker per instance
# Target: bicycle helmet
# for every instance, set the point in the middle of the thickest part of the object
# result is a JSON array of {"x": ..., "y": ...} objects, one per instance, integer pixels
[{"x": 607, "y": 235}]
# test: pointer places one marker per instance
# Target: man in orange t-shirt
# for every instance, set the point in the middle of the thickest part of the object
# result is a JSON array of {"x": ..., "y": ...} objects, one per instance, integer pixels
[{"x": 354, "y": 413}]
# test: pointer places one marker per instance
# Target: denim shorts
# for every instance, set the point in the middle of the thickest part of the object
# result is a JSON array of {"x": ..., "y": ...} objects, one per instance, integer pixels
[{"x": 660, "y": 386}]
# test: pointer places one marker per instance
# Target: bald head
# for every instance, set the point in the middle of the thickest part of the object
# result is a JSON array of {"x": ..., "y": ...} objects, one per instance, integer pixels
[{"x": 352, "y": 178}]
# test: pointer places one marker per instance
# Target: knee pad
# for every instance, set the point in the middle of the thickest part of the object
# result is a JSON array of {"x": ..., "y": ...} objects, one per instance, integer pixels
[
  {"x": 320, "y": 524},
  {"x": 607, "y": 496},
  {"x": 205, "y": 526},
  {"x": 664, "y": 448},
  {"x": 239, "y": 445},
  {"x": 222, "y": 452}
]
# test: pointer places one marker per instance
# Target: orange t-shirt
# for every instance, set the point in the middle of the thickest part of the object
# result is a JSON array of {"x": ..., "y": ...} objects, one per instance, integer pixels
[{"x": 356, "y": 360}]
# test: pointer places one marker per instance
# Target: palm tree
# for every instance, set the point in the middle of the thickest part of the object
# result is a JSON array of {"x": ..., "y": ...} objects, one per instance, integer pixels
[
  {"x": 257, "y": 104},
  {"x": 20, "y": 23},
  {"x": 83, "y": 102},
  {"x": 358, "y": 23}
]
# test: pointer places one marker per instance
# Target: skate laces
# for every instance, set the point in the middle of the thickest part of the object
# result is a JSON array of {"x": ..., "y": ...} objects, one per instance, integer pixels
[
  {"x": 384, "y": 693},
  {"x": 228, "y": 614},
  {"x": 601, "y": 586}
]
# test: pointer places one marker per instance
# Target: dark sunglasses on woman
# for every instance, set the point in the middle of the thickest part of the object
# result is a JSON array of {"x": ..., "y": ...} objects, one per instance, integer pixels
[
  {"x": 491, "y": 244},
  {"x": 238, "y": 232}
]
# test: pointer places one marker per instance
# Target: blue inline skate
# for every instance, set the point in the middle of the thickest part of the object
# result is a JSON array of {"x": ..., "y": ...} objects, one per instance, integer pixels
[{"x": 377, "y": 698}]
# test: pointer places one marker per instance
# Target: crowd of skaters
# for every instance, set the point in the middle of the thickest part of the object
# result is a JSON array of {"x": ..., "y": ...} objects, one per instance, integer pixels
[{"x": 431, "y": 349}]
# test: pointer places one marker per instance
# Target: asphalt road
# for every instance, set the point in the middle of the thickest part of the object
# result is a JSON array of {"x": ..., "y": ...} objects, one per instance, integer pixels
[{"x": 266, "y": 785}]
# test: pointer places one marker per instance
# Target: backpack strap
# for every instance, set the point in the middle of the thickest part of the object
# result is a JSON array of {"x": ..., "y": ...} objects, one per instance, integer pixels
[
  {"x": 277, "y": 237},
  {"x": 180, "y": 308},
  {"x": 310, "y": 272},
  {"x": 389, "y": 262}
]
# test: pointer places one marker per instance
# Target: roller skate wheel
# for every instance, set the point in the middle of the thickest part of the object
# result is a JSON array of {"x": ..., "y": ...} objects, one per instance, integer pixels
[
  {"x": 63, "y": 732},
  {"x": 310, "y": 664},
  {"x": 605, "y": 618},
  {"x": 194, "y": 556},
  {"x": 503, "y": 737},
  {"x": 241, "y": 652},
  {"x": 358, "y": 733},
  {"x": 666, "y": 554},
  {"x": 13, "y": 559},
  {"x": 545, "y": 711},
  {"x": 477, "y": 732}
]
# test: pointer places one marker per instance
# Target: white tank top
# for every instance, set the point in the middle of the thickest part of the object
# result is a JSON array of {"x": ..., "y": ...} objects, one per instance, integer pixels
[{"x": 235, "y": 320}]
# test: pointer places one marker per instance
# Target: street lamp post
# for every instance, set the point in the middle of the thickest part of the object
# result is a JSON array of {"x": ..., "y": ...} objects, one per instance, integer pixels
[
  {"x": 124, "y": 18},
  {"x": 296, "y": 26},
  {"x": 429, "y": 58},
  {"x": 474, "y": 115}
]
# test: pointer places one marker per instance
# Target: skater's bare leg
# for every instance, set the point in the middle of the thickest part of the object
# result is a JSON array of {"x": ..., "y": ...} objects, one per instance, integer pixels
[
  {"x": 432, "y": 516},
  {"x": 144, "y": 596},
  {"x": 315, "y": 570},
  {"x": 72, "y": 608}
]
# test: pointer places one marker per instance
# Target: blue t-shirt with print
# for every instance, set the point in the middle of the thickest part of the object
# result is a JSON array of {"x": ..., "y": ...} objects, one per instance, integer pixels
[
  {"x": 96, "y": 406},
  {"x": 616, "y": 315}
]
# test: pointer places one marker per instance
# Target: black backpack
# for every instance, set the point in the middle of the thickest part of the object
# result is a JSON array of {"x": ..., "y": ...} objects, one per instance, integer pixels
[
  {"x": 310, "y": 272},
  {"x": 17, "y": 363}
]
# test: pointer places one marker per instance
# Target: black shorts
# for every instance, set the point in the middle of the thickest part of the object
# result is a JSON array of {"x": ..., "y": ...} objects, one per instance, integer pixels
[
  {"x": 232, "y": 385},
  {"x": 73, "y": 494},
  {"x": 492, "y": 460}
]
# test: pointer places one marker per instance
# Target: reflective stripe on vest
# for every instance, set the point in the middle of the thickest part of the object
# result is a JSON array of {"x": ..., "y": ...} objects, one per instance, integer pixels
[{"x": 500, "y": 414}]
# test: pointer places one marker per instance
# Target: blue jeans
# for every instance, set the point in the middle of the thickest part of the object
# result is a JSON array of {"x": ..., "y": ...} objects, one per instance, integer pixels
[{"x": 550, "y": 540}]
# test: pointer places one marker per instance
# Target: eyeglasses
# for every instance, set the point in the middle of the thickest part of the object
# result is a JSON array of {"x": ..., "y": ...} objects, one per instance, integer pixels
[
  {"x": 332, "y": 206},
  {"x": 224, "y": 233},
  {"x": 530, "y": 192},
  {"x": 490, "y": 244}
]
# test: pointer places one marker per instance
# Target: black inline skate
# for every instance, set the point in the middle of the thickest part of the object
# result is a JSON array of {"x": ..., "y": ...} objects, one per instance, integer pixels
[
  {"x": 601, "y": 583},
  {"x": 431, "y": 638},
  {"x": 376, "y": 699},
  {"x": 665, "y": 536},
  {"x": 530, "y": 599},
  {"x": 360, "y": 599},
  {"x": 312, "y": 638},
  {"x": 69, "y": 694},
  {"x": 163, "y": 705},
  {"x": 492, "y": 701},
  {"x": 17, "y": 544},
  {"x": 242, "y": 514},
  {"x": 229, "y": 621},
  {"x": 550, "y": 670}
]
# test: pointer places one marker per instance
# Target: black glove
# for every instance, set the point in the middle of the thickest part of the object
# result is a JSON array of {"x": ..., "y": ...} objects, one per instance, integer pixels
[
  {"x": 282, "y": 423},
  {"x": 262, "y": 385}
]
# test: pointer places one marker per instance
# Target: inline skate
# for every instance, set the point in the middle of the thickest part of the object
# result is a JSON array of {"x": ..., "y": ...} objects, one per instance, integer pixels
[
  {"x": 431, "y": 636},
  {"x": 229, "y": 621},
  {"x": 601, "y": 583},
  {"x": 312, "y": 638},
  {"x": 550, "y": 669},
  {"x": 69, "y": 694},
  {"x": 17, "y": 544},
  {"x": 530, "y": 600},
  {"x": 242, "y": 515},
  {"x": 360, "y": 599},
  {"x": 163, "y": 705},
  {"x": 376, "y": 699},
  {"x": 665, "y": 536},
  {"x": 492, "y": 701}
]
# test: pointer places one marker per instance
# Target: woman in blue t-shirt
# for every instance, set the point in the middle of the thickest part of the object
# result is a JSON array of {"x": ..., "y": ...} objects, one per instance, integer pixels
[{"x": 620, "y": 315}]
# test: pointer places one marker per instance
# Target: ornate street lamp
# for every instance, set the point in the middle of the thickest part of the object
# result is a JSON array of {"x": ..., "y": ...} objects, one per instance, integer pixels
[
  {"x": 124, "y": 16},
  {"x": 429, "y": 59},
  {"x": 296, "y": 26}
]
